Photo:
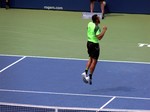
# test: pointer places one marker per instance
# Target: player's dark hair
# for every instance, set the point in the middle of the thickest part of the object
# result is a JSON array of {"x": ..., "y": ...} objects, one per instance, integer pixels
[{"x": 94, "y": 18}]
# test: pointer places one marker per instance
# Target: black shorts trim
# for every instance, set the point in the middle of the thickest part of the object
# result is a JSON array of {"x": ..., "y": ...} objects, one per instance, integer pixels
[{"x": 93, "y": 50}]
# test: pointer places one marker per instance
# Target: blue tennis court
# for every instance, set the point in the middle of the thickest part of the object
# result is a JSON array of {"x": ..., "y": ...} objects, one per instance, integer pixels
[{"x": 57, "y": 83}]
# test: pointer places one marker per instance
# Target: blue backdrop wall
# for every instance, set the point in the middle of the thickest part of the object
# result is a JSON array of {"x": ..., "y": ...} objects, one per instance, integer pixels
[{"x": 117, "y": 6}]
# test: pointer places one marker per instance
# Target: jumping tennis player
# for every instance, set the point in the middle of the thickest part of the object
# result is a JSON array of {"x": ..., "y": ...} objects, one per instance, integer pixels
[{"x": 94, "y": 34}]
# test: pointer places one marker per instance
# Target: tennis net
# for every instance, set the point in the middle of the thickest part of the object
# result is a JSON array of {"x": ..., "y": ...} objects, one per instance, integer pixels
[{"x": 11, "y": 107}]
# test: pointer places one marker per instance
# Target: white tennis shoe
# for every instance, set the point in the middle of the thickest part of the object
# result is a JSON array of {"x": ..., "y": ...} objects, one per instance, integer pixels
[{"x": 85, "y": 77}]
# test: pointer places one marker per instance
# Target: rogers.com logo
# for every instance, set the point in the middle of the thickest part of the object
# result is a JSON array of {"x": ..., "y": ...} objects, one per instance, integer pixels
[{"x": 53, "y": 7}]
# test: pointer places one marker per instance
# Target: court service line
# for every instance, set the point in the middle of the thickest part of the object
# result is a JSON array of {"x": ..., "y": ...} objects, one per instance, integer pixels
[
  {"x": 106, "y": 103},
  {"x": 78, "y": 59},
  {"x": 12, "y": 64},
  {"x": 71, "y": 94}
]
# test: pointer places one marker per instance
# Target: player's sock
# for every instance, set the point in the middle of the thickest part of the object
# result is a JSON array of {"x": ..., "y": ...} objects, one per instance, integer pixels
[
  {"x": 90, "y": 80},
  {"x": 86, "y": 70},
  {"x": 90, "y": 75}
]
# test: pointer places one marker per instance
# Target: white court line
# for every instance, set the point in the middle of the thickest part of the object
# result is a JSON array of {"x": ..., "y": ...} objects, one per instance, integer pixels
[
  {"x": 106, "y": 103},
  {"x": 113, "y": 61},
  {"x": 12, "y": 64},
  {"x": 72, "y": 94}
]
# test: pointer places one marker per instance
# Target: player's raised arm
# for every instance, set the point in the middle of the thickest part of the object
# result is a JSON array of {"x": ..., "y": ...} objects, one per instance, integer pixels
[{"x": 100, "y": 36}]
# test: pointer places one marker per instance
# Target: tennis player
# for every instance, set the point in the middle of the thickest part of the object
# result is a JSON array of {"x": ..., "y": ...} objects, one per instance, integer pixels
[{"x": 94, "y": 34}]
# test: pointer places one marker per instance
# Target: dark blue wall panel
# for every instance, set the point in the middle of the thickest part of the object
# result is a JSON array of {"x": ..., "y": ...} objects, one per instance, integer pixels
[
  {"x": 129, "y": 6},
  {"x": 121, "y": 6}
]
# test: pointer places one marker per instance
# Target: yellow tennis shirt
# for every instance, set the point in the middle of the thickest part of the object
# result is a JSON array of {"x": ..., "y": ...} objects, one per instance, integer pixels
[{"x": 92, "y": 31}]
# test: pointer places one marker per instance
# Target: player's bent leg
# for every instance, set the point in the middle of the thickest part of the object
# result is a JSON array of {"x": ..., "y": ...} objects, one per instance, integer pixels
[
  {"x": 88, "y": 64},
  {"x": 92, "y": 68},
  {"x": 93, "y": 65}
]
